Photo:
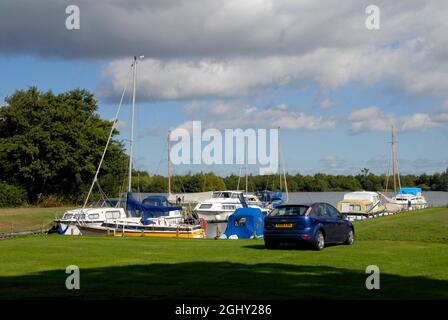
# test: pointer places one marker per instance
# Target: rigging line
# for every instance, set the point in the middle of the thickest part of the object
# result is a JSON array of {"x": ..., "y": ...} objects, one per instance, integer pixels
[
  {"x": 182, "y": 187},
  {"x": 282, "y": 163},
  {"x": 239, "y": 178},
  {"x": 108, "y": 140},
  {"x": 103, "y": 194},
  {"x": 388, "y": 174},
  {"x": 398, "y": 171},
  {"x": 124, "y": 172},
  {"x": 162, "y": 159}
]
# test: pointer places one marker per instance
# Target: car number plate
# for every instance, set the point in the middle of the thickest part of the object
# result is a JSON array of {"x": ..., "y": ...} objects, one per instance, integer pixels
[{"x": 283, "y": 225}]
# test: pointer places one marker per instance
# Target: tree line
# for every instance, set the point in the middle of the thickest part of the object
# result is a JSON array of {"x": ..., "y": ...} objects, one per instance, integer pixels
[
  {"x": 319, "y": 182},
  {"x": 51, "y": 144}
]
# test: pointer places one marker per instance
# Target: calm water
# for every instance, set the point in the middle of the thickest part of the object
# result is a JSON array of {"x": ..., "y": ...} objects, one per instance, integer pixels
[{"x": 434, "y": 198}]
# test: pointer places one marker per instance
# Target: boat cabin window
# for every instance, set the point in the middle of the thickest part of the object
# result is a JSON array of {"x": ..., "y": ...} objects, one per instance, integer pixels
[
  {"x": 79, "y": 216},
  {"x": 228, "y": 207},
  {"x": 68, "y": 215},
  {"x": 216, "y": 195},
  {"x": 205, "y": 206},
  {"x": 112, "y": 214},
  {"x": 225, "y": 195},
  {"x": 94, "y": 216},
  {"x": 289, "y": 211}
]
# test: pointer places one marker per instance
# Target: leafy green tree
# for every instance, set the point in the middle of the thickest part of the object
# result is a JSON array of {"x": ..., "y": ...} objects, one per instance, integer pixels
[
  {"x": 11, "y": 196},
  {"x": 52, "y": 144}
]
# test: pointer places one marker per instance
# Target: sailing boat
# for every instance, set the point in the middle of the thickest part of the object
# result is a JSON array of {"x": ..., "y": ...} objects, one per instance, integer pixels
[
  {"x": 143, "y": 219},
  {"x": 251, "y": 199},
  {"x": 404, "y": 198},
  {"x": 272, "y": 199},
  {"x": 222, "y": 204}
]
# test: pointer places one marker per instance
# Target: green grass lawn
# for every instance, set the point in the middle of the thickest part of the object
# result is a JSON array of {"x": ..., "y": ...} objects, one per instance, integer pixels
[
  {"x": 28, "y": 218},
  {"x": 411, "y": 250}
]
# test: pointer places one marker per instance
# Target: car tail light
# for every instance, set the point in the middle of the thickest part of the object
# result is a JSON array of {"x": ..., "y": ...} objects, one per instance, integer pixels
[{"x": 306, "y": 237}]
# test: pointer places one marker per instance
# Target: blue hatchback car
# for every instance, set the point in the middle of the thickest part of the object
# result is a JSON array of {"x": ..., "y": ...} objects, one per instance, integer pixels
[{"x": 317, "y": 224}]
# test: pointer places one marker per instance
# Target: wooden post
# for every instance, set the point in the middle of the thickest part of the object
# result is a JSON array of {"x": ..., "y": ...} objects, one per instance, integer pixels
[{"x": 217, "y": 232}]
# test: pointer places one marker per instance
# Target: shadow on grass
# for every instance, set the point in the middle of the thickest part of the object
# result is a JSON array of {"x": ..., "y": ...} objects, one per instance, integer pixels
[
  {"x": 291, "y": 246},
  {"x": 215, "y": 280}
]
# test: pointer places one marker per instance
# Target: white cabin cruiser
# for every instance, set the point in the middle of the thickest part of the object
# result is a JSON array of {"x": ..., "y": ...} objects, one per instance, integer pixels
[
  {"x": 221, "y": 205},
  {"x": 68, "y": 224},
  {"x": 410, "y": 198},
  {"x": 252, "y": 200},
  {"x": 77, "y": 221},
  {"x": 361, "y": 203}
]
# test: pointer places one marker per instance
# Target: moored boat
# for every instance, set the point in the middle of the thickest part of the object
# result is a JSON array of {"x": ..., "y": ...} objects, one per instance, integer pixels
[
  {"x": 252, "y": 200},
  {"x": 221, "y": 205},
  {"x": 147, "y": 221},
  {"x": 411, "y": 198},
  {"x": 127, "y": 228},
  {"x": 68, "y": 223},
  {"x": 361, "y": 203}
]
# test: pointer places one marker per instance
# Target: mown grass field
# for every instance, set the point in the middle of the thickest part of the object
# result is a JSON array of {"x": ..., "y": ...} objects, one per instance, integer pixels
[
  {"x": 411, "y": 250},
  {"x": 20, "y": 219}
]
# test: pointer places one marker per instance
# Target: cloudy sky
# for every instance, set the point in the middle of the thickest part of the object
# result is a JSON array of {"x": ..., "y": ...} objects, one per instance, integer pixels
[{"x": 311, "y": 67}]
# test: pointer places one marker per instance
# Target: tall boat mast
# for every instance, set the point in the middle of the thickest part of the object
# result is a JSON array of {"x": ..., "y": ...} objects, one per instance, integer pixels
[
  {"x": 284, "y": 169},
  {"x": 247, "y": 158},
  {"x": 279, "y": 162},
  {"x": 394, "y": 160},
  {"x": 395, "y": 172},
  {"x": 134, "y": 76},
  {"x": 169, "y": 164}
]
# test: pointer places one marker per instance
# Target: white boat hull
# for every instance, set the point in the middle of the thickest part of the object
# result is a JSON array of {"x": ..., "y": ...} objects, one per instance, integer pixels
[
  {"x": 214, "y": 216},
  {"x": 71, "y": 228}
]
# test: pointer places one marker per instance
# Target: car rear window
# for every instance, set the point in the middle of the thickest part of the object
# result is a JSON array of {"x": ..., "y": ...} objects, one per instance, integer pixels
[{"x": 289, "y": 211}]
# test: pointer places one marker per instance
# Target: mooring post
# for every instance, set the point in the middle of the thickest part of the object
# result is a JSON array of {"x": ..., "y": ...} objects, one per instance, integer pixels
[{"x": 218, "y": 234}]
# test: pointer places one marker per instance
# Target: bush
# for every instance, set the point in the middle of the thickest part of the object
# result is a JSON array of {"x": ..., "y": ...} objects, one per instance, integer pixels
[
  {"x": 11, "y": 196},
  {"x": 51, "y": 201}
]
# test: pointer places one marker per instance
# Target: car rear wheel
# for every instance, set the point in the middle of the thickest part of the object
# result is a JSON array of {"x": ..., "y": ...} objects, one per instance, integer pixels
[
  {"x": 350, "y": 238},
  {"x": 270, "y": 244},
  {"x": 319, "y": 242}
]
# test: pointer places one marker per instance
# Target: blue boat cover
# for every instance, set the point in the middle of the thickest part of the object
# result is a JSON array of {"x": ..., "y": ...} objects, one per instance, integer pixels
[
  {"x": 156, "y": 201},
  {"x": 245, "y": 223},
  {"x": 414, "y": 191},
  {"x": 147, "y": 211},
  {"x": 278, "y": 196}
]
